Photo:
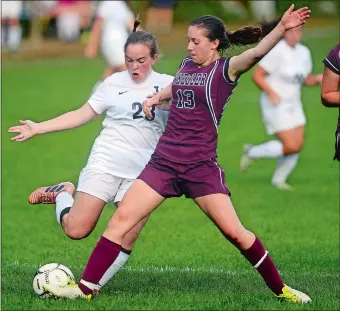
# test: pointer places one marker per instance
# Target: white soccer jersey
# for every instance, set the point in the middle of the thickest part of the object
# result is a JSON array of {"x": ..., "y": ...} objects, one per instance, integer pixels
[
  {"x": 116, "y": 14},
  {"x": 128, "y": 139},
  {"x": 287, "y": 69}
]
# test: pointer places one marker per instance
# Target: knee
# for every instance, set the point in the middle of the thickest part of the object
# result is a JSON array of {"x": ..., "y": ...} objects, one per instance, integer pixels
[
  {"x": 76, "y": 233},
  {"x": 291, "y": 147}
]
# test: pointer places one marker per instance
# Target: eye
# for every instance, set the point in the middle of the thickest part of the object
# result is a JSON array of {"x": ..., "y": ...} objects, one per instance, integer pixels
[
  {"x": 129, "y": 60},
  {"x": 142, "y": 61}
]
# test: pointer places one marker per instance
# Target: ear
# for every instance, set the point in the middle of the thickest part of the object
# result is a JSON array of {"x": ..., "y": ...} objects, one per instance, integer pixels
[
  {"x": 215, "y": 44},
  {"x": 154, "y": 59}
]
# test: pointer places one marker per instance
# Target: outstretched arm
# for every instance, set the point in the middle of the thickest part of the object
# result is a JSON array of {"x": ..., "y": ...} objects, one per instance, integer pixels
[
  {"x": 66, "y": 121},
  {"x": 245, "y": 61},
  {"x": 330, "y": 95}
]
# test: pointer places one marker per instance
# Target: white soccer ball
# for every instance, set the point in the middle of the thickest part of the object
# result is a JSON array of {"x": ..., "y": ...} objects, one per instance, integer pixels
[{"x": 52, "y": 273}]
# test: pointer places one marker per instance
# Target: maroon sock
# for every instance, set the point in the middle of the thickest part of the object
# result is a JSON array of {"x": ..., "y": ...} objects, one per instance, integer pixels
[
  {"x": 266, "y": 268},
  {"x": 102, "y": 257}
]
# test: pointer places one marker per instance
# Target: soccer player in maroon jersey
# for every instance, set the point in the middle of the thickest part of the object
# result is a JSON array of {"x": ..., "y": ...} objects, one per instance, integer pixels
[
  {"x": 184, "y": 161},
  {"x": 330, "y": 94}
]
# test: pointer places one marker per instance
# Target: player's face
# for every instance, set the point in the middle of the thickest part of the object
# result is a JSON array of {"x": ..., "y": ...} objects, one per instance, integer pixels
[
  {"x": 200, "y": 48},
  {"x": 139, "y": 61},
  {"x": 293, "y": 36}
]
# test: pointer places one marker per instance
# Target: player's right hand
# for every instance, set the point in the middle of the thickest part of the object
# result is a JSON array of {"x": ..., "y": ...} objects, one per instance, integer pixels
[
  {"x": 274, "y": 98},
  {"x": 152, "y": 100},
  {"x": 27, "y": 130},
  {"x": 90, "y": 52}
]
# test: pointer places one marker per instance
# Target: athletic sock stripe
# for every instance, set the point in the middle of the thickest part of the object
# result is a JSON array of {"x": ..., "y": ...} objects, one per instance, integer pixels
[
  {"x": 261, "y": 260},
  {"x": 64, "y": 212},
  {"x": 126, "y": 251},
  {"x": 88, "y": 284}
]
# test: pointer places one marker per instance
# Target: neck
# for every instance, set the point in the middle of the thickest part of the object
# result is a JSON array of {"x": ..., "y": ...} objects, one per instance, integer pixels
[
  {"x": 209, "y": 60},
  {"x": 290, "y": 44}
]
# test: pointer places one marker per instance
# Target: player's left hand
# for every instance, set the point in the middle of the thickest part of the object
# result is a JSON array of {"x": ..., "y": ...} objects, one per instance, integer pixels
[
  {"x": 152, "y": 100},
  {"x": 292, "y": 19}
]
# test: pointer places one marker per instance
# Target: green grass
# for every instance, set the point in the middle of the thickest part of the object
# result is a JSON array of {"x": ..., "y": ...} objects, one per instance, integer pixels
[{"x": 300, "y": 229}]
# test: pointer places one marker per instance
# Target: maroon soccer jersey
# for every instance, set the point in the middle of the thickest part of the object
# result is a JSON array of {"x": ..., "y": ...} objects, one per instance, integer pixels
[
  {"x": 332, "y": 61},
  {"x": 199, "y": 97}
]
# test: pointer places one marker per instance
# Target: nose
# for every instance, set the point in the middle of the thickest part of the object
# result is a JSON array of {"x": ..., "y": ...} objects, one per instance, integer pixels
[
  {"x": 135, "y": 65},
  {"x": 190, "y": 46}
]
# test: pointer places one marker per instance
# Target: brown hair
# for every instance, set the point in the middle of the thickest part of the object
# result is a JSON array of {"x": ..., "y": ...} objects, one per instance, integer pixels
[
  {"x": 216, "y": 30},
  {"x": 142, "y": 37},
  {"x": 268, "y": 27}
]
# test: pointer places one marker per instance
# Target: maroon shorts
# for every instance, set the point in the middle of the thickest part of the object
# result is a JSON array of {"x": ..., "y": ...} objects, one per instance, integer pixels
[{"x": 171, "y": 179}]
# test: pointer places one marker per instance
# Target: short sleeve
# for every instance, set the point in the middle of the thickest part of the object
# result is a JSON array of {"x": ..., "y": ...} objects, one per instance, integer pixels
[
  {"x": 270, "y": 62},
  {"x": 332, "y": 60},
  {"x": 98, "y": 100}
]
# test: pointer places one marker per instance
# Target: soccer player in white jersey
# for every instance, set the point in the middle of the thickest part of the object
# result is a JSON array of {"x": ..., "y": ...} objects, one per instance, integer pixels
[
  {"x": 280, "y": 75},
  {"x": 114, "y": 21},
  {"x": 10, "y": 15},
  {"x": 119, "y": 153}
]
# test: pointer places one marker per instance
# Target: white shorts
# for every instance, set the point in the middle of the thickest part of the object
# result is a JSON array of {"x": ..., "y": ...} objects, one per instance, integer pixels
[
  {"x": 112, "y": 46},
  {"x": 11, "y": 9},
  {"x": 103, "y": 185},
  {"x": 284, "y": 116}
]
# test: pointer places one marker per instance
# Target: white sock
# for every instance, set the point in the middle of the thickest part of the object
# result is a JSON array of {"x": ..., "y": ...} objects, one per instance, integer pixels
[
  {"x": 270, "y": 149},
  {"x": 14, "y": 38},
  {"x": 64, "y": 201},
  {"x": 113, "y": 269},
  {"x": 285, "y": 166}
]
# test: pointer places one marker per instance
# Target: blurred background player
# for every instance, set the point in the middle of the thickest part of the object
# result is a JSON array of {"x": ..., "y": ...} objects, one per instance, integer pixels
[
  {"x": 71, "y": 16},
  {"x": 119, "y": 153},
  {"x": 280, "y": 75},
  {"x": 11, "y": 31},
  {"x": 330, "y": 94},
  {"x": 113, "y": 23}
]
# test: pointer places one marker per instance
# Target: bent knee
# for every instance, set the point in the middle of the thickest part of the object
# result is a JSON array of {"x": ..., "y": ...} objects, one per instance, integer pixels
[
  {"x": 77, "y": 233},
  {"x": 292, "y": 147}
]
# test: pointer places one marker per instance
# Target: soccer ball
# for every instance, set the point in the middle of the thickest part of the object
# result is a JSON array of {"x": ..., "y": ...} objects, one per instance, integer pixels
[{"x": 52, "y": 273}]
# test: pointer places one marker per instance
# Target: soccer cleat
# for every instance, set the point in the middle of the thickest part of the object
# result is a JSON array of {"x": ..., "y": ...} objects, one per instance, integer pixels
[
  {"x": 245, "y": 161},
  {"x": 70, "y": 291},
  {"x": 283, "y": 186},
  {"x": 293, "y": 295},
  {"x": 47, "y": 195}
]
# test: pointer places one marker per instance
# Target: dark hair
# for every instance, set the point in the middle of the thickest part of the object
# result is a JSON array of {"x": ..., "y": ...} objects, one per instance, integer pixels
[
  {"x": 142, "y": 37},
  {"x": 216, "y": 30},
  {"x": 268, "y": 27}
]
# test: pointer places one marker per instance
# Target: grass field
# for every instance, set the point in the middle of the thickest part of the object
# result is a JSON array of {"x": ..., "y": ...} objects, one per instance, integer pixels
[{"x": 180, "y": 261}]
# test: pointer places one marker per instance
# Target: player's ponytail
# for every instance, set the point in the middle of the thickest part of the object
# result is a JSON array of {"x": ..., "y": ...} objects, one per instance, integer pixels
[
  {"x": 268, "y": 27},
  {"x": 217, "y": 31},
  {"x": 244, "y": 36},
  {"x": 136, "y": 23}
]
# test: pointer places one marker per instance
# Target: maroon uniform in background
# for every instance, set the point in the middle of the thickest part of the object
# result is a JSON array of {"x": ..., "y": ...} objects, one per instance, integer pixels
[
  {"x": 184, "y": 161},
  {"x": 332, "y": 61}
]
